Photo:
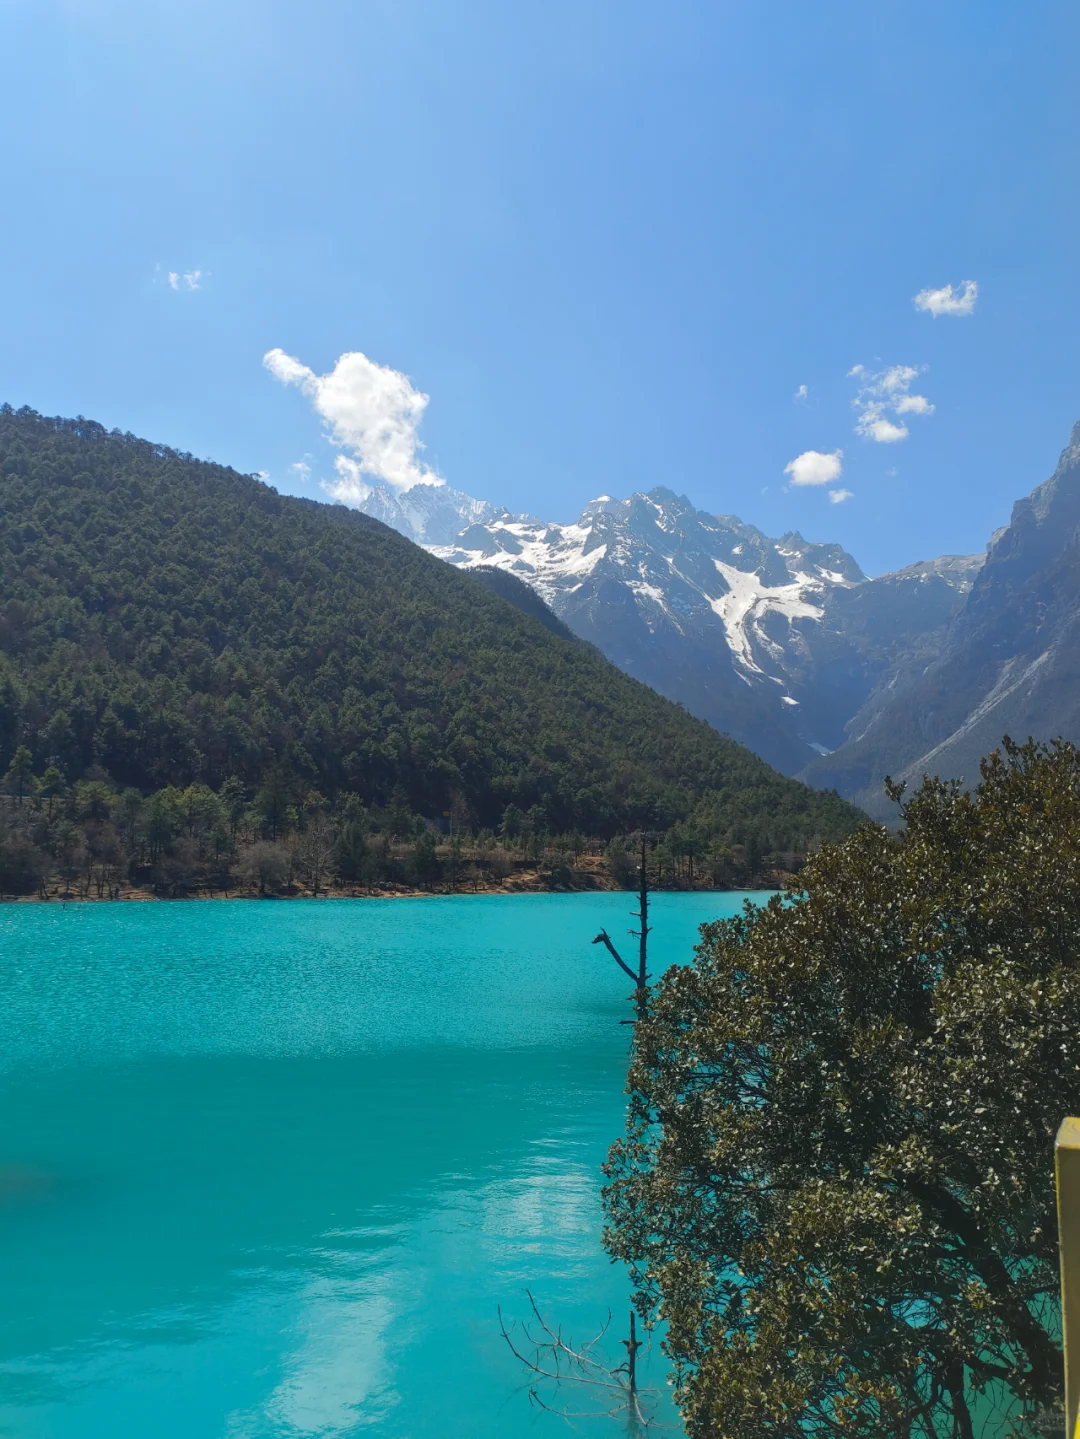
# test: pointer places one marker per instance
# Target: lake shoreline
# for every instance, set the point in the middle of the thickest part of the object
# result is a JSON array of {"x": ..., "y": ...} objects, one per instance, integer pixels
[{"x": 140, "y": 895}]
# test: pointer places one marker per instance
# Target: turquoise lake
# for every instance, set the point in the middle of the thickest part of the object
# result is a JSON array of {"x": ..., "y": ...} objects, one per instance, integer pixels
[{"x": 268, "y": 1169}]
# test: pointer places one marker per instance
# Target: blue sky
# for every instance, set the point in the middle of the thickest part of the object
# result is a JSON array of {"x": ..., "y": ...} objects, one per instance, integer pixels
[{"x": 609, "y": 241}]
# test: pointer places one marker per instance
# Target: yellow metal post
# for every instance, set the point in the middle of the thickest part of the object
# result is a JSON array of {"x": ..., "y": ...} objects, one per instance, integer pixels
[{"x": 1067, "y": 1159}]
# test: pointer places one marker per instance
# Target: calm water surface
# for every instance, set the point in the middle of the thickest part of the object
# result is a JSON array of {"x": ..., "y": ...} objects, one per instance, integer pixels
[{"x": 267, "y": 1170}]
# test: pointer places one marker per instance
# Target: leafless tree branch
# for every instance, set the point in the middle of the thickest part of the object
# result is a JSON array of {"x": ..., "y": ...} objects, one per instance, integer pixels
[{"x": 545, "y": 1352}]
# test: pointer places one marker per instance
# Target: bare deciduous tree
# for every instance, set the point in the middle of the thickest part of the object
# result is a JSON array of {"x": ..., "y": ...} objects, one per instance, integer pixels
[
  {"x": 557, "y": 1364},
  {"x": 640, "y": 976}
]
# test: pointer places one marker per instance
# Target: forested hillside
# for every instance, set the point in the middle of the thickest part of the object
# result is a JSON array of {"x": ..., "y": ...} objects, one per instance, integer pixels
[{"x": 166, "y": 621}]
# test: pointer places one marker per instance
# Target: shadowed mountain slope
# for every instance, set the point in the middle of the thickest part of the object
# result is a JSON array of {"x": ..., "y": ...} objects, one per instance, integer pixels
[
  {"x": 1007, "y": 663},
  {"x": 777, "y": 642},
  {"x": 168, "y": 619}
]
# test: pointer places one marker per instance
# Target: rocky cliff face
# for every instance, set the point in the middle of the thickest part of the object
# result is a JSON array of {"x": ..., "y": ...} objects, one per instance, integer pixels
[{"x": 1008, "y": 662}]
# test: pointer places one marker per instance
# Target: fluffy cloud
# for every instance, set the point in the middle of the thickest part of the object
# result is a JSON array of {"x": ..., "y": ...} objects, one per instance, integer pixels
[
  {"x": 837, "y": 497},
  {"x": 883, "y": 394},
  {"x": 880, "y": 430},
  {"x": 188, "y": 280},
  {"x": 369, "y": 409},
  {"x": 913, "y": 405},
  {"x": 801, "y": 393},
  {"x": 948, "y": 301},
  {"x": 814, "y": 468}
]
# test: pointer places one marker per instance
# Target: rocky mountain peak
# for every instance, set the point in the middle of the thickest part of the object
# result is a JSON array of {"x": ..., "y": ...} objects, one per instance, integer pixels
[
  {"x": 776, "y": 641},
  {"x": 1042, "y": 524},
  {"x": 1003, "y": 663}
]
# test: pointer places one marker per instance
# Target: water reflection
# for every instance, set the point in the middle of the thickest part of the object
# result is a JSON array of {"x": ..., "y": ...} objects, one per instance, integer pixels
[{"x": 231, "y": 1205}]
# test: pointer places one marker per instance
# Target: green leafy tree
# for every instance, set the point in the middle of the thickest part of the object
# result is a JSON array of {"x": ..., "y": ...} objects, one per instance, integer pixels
[
  {"x": 59, "y": 742},
  {"x": 399, "y": 820},
  {"x": 51, "y": 787},
  {"x": 164, "y": 821},
  {"x": 620, "y": 863},
  {"x": 233, "y": 802},
  {"x": 455, "y": 858},
  {"x": 718, "y": 860},
  {"x": 20, "y": 772},
  {"x": 424, "y": 862},
  {"x": 202, "y": 812},
  {"x": 94, "y": 800},
  {"x": 12, "y": 698},
  {"x": 837, "y": 1180},
  {"x": 752, "y": 852},
  {"x": 513, "y": 822},
  {"x": 129, "y": 815},
  {"x": 272, "y": 802},
  {"x": 350, "y": 858}
]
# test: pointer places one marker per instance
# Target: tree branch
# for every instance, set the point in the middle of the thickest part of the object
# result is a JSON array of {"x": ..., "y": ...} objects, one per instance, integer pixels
[{"x": 604, "y": 938}]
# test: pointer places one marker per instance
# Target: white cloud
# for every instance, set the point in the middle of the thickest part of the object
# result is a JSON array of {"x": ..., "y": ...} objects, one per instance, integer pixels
[
  {"x": 883, "y": 431},
  {"x": 188, "y": 280},
  {"x": 301, "y": 470},
  {"x": 814, "y": 468},
  {"x": 370, "y": 409},
  {"x": 948, "y": 301},
  {"x": 837, "y": 497},
  {"x": 855, "y": 370},
  {"x": 801, "y": 393},
  {"x": 896, "y": 379},
  {"x": 913, "y": 405},
  {"x": 885, "y": 393}
]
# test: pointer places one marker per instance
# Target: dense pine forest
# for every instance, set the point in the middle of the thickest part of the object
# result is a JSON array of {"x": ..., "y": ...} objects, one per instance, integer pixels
[{"x": 169, "y": 627}]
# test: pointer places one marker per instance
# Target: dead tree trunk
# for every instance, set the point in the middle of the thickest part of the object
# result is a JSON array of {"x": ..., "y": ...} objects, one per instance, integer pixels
[{"x": 641, "y": 976}]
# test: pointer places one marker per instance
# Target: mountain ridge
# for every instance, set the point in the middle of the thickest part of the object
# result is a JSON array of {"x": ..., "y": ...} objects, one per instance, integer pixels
[
  {"x": 167, "y": 620},
  {"x": 1005, "y": 663},
  {"x": 777, "y": 642}
]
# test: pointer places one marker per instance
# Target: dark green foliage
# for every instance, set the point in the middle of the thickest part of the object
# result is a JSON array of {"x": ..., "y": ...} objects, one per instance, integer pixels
[
  {"x": 521, "y": 596},
  {"x": 837, "y": 1182},
  {"x": 20, "y": 773},
  {"x": 170, "y": 621},
  {"x": 22, "y": 865},
  {"x": 351, "y": 860},
  {"x": 424, "y": 862}
]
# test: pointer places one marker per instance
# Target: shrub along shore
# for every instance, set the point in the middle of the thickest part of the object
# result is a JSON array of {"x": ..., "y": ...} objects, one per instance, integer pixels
[{"x": 90, "y": 840}]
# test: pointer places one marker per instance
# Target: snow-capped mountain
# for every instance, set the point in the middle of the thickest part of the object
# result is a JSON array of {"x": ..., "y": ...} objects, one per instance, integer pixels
[
  {"x": 776, "y": 642},
  {"x": 786, "y": 644},
  {"x": 429, "y": 514}
]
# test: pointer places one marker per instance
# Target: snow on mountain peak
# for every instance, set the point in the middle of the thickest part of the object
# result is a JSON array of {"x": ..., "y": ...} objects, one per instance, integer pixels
[
  {"x": 429, "y": 514},
  {"x": 681, "y": 566},
  {"x": 743, "y": 629}
]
